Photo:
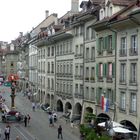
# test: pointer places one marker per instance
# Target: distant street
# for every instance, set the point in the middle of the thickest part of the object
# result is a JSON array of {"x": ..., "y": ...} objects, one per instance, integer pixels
[{"x": 39, "y": 126}]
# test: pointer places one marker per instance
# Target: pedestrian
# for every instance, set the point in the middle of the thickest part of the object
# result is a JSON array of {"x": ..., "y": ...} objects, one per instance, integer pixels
[
  {"x": 60, "y": 132},
  {"x": 25, "y": 121},
  {"x": 33, "y": 106},
  {"x": 28, "y": 118},
  {"x": 7, "y": 132},
  {"x": 51, "y": 121}
]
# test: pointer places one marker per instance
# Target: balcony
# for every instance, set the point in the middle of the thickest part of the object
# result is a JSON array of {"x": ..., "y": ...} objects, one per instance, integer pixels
[
  {"x": 122, "y": 52},
  {"x": 78, "y": 55},
  {"x": 100, "y": 78},
  {"x": 109, "y": 79},
  {"x": 86, "y": 79},
  {"x": 133, "y": 51},
  {"x": 92, "y": 79},
  {"x": 122, "y": 81},
  {"x": 78, "y": 77},
  {"x": 133, "y": 82},
  {"x": 78, "y": 95}
]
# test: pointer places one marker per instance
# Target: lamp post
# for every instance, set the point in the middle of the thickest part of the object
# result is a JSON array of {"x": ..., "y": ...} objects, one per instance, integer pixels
[{"x": 12, "y": 95}]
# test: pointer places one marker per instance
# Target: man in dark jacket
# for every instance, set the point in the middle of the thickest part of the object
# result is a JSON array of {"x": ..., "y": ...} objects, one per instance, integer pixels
[{"x": 60, "y": 132}]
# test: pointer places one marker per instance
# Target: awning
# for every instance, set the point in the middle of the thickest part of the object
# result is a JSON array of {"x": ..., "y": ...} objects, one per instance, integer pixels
[
  {"x": 35, "y": 94},
  {"x": 115, "y": 124},
  {"x": 121, "y": 130}
]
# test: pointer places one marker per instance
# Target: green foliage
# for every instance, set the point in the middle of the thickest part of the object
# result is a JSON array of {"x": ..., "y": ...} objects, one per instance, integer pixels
[
  {"x": 90, "y": 133},
  {"x": 89, "y": 117}
]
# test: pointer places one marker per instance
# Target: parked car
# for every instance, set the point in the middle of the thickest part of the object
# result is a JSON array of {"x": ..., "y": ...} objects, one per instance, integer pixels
[
  {"x": 11, "y": 117},
  {"x": 45, "y": 107}
]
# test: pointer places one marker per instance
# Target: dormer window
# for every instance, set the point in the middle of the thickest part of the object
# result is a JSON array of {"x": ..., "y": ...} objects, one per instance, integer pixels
[
  {"x": 110, "y": 11},
  {"x": 101, "y": 14}
]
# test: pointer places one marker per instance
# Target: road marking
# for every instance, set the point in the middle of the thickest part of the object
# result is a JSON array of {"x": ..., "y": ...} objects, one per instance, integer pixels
[{"x": 22, "y": 134}]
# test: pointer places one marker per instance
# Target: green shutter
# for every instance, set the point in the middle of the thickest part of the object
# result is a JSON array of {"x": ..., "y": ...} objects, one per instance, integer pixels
[
  {"x": 107, "y": 69},
  {"x": 104, "y": 70},
  {"x": 113, "y": 69},
  {"x": 97, "y": 70},
  {"x": 113, "y": 40}
]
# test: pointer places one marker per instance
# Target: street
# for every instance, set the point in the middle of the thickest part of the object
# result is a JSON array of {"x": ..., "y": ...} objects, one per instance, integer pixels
[{"x": 38, "y": 129}]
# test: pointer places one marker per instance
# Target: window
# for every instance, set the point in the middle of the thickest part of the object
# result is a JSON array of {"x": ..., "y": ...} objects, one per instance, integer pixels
[
  {"x": 68, "y": 68},
  {"x": 52, "y": 50},
  {"x": 87, "y": 34},
  {"x": 81, "y": 30},
  {"x": 12, "y": 64},
  {"x": 110, "y": 11},
  {"x": 76, "y": 49},
  {"x": 52, "y": 67},
  {"x": 57, "y": 49},
  {"x": 133, "y": 72},
  {"x": 81, "y": 89},
  {"x": 48, "y": 83},
  {"x": 109, "y": 95},
  {"x": 92, "y": 96},
  {"x": 76, "y": 30},
  {"x": 76, "y": 70},
  {"x": 101, "y": 14},
  {"x": 64, "y": 47},
  {"x": 81, "y": 49},
  {"x": 81, "y": 70},
  {"x": 110, "y": 42},
  {"x": 101, "y": 44},
  {"x": 123, "y": 46},
  {"x": 76, "y": 88},
  {"x": 52, "y": 84},
  {"x": 122, "y": 100},
  {"x": 122, "y": 72},
  {"x": 61, "y": 49},
  {"x": 87, "y": 93},
  {"x": 64, "y": 68},
  {"x": 87, "y": 53},
  {"x": 48, "y": 51},
  {"x": 100, "y": 70},
  {"x": 61, "y": 67},
  {"x": 87, "y": 72},
  {"x": 92, "y": 72},
  {"x": 93, "y": 35},
  {"x": 48, "y": 67},
  {"x": 71, "y": 68},
  {"x": 58, "y": 68},
  {"x": 133, "y": 102},
  {"x": 92, "y": 53},
  {"x": 134, "y": 42},
  {"x": 110, "y": 70}
]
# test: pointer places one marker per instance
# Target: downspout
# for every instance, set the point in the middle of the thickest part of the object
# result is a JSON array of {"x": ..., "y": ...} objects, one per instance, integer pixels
[
  {"x": 115, "y": 105},
  {"x": 82, "y": 117}
]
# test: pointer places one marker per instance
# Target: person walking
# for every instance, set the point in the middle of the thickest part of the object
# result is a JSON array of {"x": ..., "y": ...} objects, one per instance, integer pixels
[
  {"x": 25, "y": 121},
  {"x": 28, "y": 118},
  {"x": 60, "y": 132},
  {"x": 7, "y": 132},
  {"x": 33, "y": 106}
]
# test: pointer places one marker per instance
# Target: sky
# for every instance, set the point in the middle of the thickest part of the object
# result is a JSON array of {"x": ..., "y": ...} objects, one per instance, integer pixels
[{"x": 22, "y": 15}]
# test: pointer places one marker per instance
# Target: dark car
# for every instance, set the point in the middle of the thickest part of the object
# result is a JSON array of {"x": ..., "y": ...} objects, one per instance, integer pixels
[{"x": 11, "y": 117}]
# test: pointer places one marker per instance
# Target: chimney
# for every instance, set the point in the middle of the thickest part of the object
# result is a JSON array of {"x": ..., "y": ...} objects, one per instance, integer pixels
[
  {"x": 54, "y": 14},
  {"x": 46, "y": 13},
  {"x": 75, "y": 6}
]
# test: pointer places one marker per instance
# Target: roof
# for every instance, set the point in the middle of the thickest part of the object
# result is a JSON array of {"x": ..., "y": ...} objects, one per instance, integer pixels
[{"x": 122, "y": 2}]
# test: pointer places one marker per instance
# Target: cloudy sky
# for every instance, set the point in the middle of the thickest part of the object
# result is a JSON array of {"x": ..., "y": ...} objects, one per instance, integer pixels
[{"x": 21, "y": 15}]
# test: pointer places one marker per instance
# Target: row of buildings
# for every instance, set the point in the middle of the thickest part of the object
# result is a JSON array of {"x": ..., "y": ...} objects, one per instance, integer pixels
[{"x": 72, "y": 61}]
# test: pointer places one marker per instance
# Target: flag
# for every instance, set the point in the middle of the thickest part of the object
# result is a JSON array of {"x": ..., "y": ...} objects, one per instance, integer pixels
[{"x": 104, "y": 104}]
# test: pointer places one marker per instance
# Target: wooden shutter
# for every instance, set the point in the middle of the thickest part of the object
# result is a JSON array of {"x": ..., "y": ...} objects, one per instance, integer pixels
[
  {"x": 97, "y": 70},
  {"x": 113, "y": 40},
  {"x": 113, "y": 69}
]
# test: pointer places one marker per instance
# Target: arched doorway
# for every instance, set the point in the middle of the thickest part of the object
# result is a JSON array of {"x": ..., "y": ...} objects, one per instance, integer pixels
[
  {"x": 88, "y": 110},
  {"x": 52, "y": 101},
  {"x": 77, "y": 109},
  {"x": 102, "y": 117},
  {"x": 129, "y": 125},
  {"x": 68, "y": 107},
  {"x": 59, "y": 106},
  {"x": 48, "y": 99}
]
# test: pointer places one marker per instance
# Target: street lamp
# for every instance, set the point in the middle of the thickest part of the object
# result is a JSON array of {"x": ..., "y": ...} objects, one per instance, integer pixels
[
  {"x": 12, "y": 95},
  {"x": 12, "y": 78}
]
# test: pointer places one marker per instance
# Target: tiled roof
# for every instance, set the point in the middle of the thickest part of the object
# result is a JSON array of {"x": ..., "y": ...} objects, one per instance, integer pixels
[{"x": 122, "y": 2}]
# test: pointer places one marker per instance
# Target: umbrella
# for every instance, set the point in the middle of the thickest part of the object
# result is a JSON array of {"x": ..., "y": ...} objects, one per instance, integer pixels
[
  {"x": 121, "y": 130},
  {"x": 115, "y": 124}
]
